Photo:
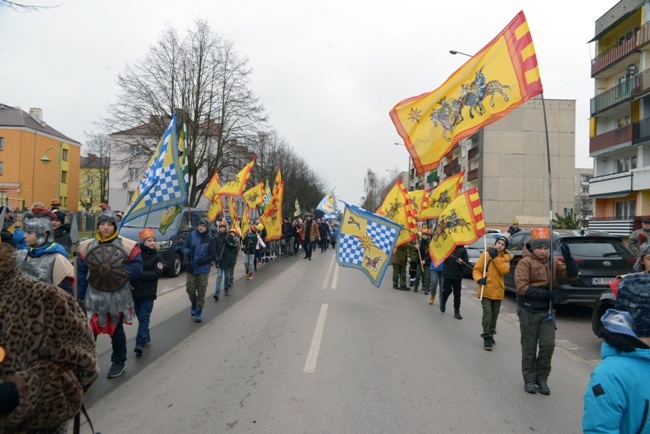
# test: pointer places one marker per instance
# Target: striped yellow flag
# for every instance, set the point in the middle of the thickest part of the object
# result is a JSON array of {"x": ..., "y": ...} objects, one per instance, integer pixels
[
  {"x": 494, "y": 82},
  {"x": 236, "y": 186},
  {"x": 417, "y": 199},
  {"x": 441, "y": 196},
  {"x": 460, "y": 224}
]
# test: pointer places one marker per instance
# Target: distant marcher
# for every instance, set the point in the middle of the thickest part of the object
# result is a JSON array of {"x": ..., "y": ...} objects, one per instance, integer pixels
[
  {"x": 491, "y": 286},
  {"x": 145, "y": 287},
  {"x": 225, "y": 246},
  {"x": 617, "y": 399},
  {"x": 49, "y": 362},
  {"x": 422, "y": 273},
  {"x": 452, "y": 274},
  {"x": 639, "y": 236},
  {"x": 334, "y": 233},
  {"x": 289, "y": 235},
  {"x": 44, "y": 259},
  {"x": 398, "y": 261},
  {"x": 310, "y": 234},
  {"x": 109, "y": 303},
  {"x": 249, "y": 244},
  {"x": 7, "y": 236},
  {"x": 62, "y": 231},
  {"x": 236, "y": 250},
  {"x": 323, "y": 232},
  {"x": 534, "y": 302},
  {"x": 260, "y": 247},
  {"x": 514, "y": 228},
  {"x": 200, "y": 250},
  {"x": 55, "y": 204}
]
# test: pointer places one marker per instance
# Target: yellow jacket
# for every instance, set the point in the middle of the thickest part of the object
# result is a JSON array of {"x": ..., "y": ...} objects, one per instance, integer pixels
[{"x": 496, "y": 269}]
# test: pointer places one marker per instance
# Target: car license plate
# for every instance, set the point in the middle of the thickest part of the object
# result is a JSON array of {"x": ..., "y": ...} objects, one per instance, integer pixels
[{"x": 601, "y": 280}]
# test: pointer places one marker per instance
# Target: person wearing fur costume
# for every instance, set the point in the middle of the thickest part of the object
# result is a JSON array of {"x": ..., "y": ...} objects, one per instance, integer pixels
[
  {"x": 105, "y": 265},
  {"x": 48, "y": 359}
]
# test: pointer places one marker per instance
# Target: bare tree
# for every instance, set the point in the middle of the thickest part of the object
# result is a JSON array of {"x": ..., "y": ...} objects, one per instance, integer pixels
[
  {"x": 97, "y": 162},
  {"x": 24, "y": 7},
  {"x": 202, "y": 78},
  {"x": 373, "y": 187}
]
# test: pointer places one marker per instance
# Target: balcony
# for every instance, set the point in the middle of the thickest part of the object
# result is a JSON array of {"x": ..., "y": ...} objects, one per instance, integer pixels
[
  {"x": 472, "y": 153},
  {"x": 611, "y": 185},
  {"x": 613, "y": 226},
  {"x": 614, "y": 54},
  {"x": 611, "y": 97},
  {"x": 610, "y": 139},
  {"x": 472, "y": 174},
  {"x": 641, "y": 179},
  {"x": 449, "y": 168},
  {"x": 641, "y": 131}
]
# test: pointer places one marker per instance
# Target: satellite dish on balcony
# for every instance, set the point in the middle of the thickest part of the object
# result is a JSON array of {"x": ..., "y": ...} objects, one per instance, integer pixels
[{"x": 632, "y": 69}]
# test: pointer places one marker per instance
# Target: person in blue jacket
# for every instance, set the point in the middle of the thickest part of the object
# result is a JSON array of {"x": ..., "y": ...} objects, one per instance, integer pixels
[
  {"x": 200, "y": 250},
  {"x": 617, "y": 399}
]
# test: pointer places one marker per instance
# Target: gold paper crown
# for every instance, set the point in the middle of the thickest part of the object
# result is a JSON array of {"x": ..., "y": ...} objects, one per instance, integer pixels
[{"x": 147, "y": 233}]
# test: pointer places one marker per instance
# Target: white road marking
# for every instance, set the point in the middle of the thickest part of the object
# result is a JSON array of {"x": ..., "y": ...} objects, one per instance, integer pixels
[
  {"x": 329, "y": 273},
  {"x": 336, "y": 277},
  {"x": 310, "y": 364}
]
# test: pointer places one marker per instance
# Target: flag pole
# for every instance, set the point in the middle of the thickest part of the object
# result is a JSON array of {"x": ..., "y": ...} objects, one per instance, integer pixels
[
  {"x": 550, "y": 204},
  {"x": 484, "y": 264}
]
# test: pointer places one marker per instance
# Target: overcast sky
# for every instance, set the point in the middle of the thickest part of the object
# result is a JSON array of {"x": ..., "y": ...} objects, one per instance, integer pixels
[{"x": 327, "y": 72}]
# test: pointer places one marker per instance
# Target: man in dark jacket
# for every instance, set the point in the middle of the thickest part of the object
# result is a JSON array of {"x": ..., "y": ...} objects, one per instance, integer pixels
[
  {"x": 62, "y": 231},
  {"x": 422, "y": 272},
  {"x": 324, "y": 231},
  {"x": 226, "y": 248},
  {"x": 452, "y": 274},
  {"x": 289, "y": 234},
  {"x": 200, "y": 250},
  {"x": 145, "y": 287}
]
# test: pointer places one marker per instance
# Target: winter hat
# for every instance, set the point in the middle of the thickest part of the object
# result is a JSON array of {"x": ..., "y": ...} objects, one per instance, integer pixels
[
  {"x": 41, "y": 225},
  {"x": 502, "y": 238},
  {"x": 634, "y": 297},
  {"x": 205, "y": 222},
  {"x": 540, "y": 237},
  {"x": 107, "y": 216},
  {"x": 55, "y": 202},
  {"x": 147, "y": 233}
]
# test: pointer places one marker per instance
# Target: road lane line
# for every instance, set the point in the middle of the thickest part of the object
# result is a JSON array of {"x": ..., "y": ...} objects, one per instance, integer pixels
[
  {"x": 336, "y": 277},
  {"x": 329, "y": 273},
  {"x": 310, "y": 364}
]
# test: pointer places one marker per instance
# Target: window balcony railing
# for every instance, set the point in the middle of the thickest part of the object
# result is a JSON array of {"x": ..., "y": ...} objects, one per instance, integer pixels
[
  {"x": 640, "y": 38},
  {"x": 611, "y": 97},
  {"x": 449, "y": 168},
  {"x": 472, "y": 174},
  {"x": 472, "y": 153},
  {"x": 610, "y": 138},
  {"x": 641, "y": 131}
]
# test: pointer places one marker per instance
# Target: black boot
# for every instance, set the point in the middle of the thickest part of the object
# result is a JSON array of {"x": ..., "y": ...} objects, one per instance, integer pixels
[
  {"x": 457, "y": 314},
  {"x": 443, "y": 305}
]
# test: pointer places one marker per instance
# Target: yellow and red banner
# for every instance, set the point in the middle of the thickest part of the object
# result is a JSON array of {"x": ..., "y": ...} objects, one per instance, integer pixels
[
  {"x": 236, "y": 186},
  {"x": 417, "y": 199},
  {"x": 494, "y": 82},
  {"x": 235, "y": 225},
  {"x": 441, "y": 196},
  {"x": 278, "y": 180},
  {"x": 254, "y": 196},
  {"x": 216, "y": 201},
  {"x": 272, "y": 217},
  {"x": 397, "y": 207},
  {"x": 460, "y": 224},
  {"x": 245, "y": 222}
]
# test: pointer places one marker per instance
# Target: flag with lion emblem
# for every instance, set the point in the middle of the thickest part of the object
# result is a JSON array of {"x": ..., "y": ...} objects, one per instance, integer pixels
[
  {"x": 366, "y": 242},
  {"x": 459, "y": 225},
  {"x": 397, "y": 207}
]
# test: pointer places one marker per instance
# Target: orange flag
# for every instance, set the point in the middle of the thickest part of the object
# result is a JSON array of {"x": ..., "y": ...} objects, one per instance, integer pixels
[
  {"x": 436, "y": 202},
  {"x": 216, "y": 202},
  {"x": 460, "y": 224},
  {"x": 254, "y": 196},
  {"x": 245, "y": 222},
  {"x": 397, "y": 207},
  {"x": 494, "y": 82},
  {"x": 236, "y": 186},
  {"x": 278, "y": 180},
  {"x": 272, "y": 217},
  {"x": 235, "y": 225}
]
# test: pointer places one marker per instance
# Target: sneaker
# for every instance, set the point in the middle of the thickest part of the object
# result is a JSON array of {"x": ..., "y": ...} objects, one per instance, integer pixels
[
  {"x": 116, "y": 369},
  {"x": 199, "y": 315},
  {"x": 216, "y": 297},
  {"x": 543, "y": 387},
  {"x": 193, "y": 310},
  {"x": 529, "y": 387},
  {"x": 138, "y": 349},
  {"x": 250, "y": 277},
  {"x": 487, "y": 344},
  {"x": 492, "y": 341}
]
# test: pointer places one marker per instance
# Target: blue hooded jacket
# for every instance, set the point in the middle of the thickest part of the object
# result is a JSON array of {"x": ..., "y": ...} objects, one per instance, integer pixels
[{"x": 618, "y": 396}]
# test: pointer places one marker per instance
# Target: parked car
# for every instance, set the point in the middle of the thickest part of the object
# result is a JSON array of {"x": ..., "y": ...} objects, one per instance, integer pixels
[
  {"x": 170, "y": 240},
  {"x": 607, "y": 300},
  {"x": 600, "y": 258},
  {"x": 474, "y": 251},
  {"x": 493, "y": 231}
]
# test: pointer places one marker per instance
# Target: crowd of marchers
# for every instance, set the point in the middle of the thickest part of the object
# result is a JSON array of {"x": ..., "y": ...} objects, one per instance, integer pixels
[
  {"x": 617, "y": 398},
  {"x": 49, "y": 323},
  {"x": 51, "y": 314}
]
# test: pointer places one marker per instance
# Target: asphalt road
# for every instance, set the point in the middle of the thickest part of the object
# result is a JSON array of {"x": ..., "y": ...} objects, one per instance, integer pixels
[{"x": 308, "y": 347}]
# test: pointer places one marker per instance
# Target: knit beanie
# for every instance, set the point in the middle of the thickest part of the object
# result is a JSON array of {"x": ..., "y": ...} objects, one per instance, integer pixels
[
  {"x": 540, "y": 237},
  {"x": 205, "y": 222},
  {"x": 502, "y": 238},
  {"x": 60, "y": 216},
  {"x": 634, "y": 297}
]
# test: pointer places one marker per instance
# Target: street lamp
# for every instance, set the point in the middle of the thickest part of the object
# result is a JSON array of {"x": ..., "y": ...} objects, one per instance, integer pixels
[
  {"x": 46, "y": 160},
  {"x": 454, "y": 52},
  {"x": 408, "y": 169}
]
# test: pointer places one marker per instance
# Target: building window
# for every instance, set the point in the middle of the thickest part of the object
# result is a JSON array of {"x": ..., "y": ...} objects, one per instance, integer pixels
[
  {"x": 64, "y": 177},
  {"x": 64, "y": 154},
  {"x": 134, "y": 151},
  {"x": 89, "y": 180},
  {"x": 2, "y": 143},
  {"x": 623, "y": 121},
  {"x": 625, "y": 209},
  {"x": 625, "y": 164},
  {"x": 0, "y": 167},
  {"x": 89, "y": 193},
  {"x": 134, "y": 173}
]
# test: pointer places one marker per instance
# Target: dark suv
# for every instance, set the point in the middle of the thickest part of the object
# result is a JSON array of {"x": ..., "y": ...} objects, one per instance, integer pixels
[{"x": 600, "y": 258}]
